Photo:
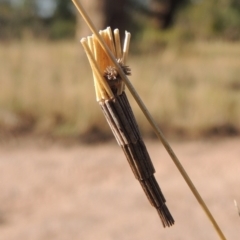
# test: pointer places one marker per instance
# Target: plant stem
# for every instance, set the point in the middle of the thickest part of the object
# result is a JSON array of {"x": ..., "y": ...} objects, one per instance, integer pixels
[{"x": 150, "y": 120}]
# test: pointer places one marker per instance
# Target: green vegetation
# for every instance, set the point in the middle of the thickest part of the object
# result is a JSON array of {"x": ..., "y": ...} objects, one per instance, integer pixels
[
  {"x": 192, "y": 19},
  {"x": 26, "y": 21},
  {"x": 199, "y": 20},
  {"x": 210, "y": 20}
]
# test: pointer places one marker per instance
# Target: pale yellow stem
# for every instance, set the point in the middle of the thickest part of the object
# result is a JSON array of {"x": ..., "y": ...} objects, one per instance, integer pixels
[
  {"x": 107, "y": 94},
  {"x": 117, "y": 44},
  {"x": 96, "y": 83},
  {"x": 151, "y": 121},
  {"x": 126, "y": 47},
  {"x": 111, "y": 42}
]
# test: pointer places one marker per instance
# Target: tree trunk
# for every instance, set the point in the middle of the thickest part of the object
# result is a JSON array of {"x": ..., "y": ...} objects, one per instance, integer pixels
[
  {"x": 103, "y": 13},
  {"x": 163, "y": 12}
]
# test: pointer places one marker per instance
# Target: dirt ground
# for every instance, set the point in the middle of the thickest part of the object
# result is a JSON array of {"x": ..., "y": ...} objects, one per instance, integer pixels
[{"x": 51, "y": 191}]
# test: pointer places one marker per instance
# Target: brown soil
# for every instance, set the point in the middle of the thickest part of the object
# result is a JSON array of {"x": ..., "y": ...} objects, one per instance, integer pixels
[{"x": 51, "y": 191}]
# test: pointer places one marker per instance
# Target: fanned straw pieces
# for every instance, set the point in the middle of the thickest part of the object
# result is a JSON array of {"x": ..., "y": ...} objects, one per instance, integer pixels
[
  {"x": 102, "y": 65},
  {"x": 119, "y": 115}
]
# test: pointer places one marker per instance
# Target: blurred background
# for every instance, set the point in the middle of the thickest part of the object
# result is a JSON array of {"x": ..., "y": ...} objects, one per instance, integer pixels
[
  {"x": 185, "y": 61},
  {"x": 59, "y": 176}
]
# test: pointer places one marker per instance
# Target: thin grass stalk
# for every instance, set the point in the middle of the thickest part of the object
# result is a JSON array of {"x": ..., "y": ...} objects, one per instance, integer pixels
[{"x": 150, "y": 120}]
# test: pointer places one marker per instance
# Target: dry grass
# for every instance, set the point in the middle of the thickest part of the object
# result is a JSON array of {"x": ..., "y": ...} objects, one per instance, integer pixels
[{"x": 192, "y": 89}]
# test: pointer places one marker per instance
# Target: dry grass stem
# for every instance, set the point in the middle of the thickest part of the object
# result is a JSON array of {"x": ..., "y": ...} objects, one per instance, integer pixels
[
  {"x": 102, "y": 88},
  {"x": 126, "y": 47},
  {"x": 151, "y": 120},
  {"x": 117, "y": 43}
]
